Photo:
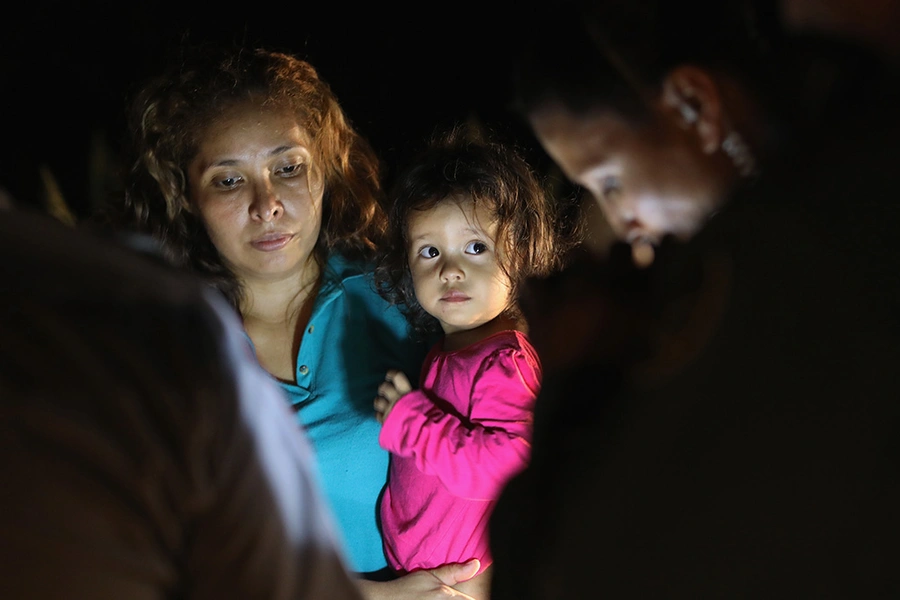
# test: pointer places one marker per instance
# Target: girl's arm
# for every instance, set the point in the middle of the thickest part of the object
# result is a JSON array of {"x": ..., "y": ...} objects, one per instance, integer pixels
[{"x": 475, "y": 456}]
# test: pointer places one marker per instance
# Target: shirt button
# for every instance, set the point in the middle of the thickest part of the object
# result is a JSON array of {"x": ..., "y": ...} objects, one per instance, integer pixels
[
  {"x": 310, "y": 330},
  {"x": 304, "y": 369}
]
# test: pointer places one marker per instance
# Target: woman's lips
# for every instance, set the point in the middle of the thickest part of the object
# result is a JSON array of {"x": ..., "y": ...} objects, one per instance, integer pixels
[{"x": 272, "y": 241}]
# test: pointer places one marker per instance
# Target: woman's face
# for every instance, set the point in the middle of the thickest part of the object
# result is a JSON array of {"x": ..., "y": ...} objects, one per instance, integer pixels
[
  {"x": 258, "y": 193},
  {"x": 650, "y": 180}
]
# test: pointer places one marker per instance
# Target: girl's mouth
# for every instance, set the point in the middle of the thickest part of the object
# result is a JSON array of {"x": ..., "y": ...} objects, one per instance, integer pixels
[{"x": 454, "y": 296}]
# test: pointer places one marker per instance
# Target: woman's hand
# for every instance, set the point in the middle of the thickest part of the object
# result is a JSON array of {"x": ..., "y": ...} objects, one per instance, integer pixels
[
  {"x": 434, "y": 584},
  {"x": 394, "y": 386}
]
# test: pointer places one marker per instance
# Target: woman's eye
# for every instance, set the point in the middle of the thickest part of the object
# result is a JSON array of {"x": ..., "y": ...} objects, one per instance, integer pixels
[
  {"x": 428, "y": 252},
  {"x": 610, "y": 188},
  {"x": 476, "y": 247},
  {"x": 228, "y": 182},
  {"x": 290, "y": 170}
]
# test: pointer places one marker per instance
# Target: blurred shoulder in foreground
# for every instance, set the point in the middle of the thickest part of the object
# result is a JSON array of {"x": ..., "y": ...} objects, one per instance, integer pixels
[{"x": 144, "y": 453}]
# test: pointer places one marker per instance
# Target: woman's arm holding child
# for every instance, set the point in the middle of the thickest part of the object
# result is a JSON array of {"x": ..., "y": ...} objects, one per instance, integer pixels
[{"x": 431, "y": 584}]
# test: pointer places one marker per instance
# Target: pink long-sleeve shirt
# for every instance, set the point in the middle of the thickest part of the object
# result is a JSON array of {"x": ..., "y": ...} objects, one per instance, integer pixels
[{"x": 454, "y": 443}]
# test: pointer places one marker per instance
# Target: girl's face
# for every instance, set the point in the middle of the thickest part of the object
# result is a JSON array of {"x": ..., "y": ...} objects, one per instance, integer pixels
[
  {"x": 454, "y": 262},
  {"x": 650, "y": 181},
  {"x": 256, "y": 190}
]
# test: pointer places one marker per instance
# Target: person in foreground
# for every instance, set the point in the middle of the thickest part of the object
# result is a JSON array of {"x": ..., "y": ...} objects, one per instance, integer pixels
[
  {"x": 724, "y": 422},
  {"x": 469, "y": 221},
  {"x": 252, "y": 177},
  {"x": 145, "y": 454}
]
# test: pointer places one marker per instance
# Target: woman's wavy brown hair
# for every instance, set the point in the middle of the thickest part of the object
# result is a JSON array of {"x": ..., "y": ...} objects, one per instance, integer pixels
[
  {"x": 169, "y": 117},
  {"x": 535, "y": 232}
]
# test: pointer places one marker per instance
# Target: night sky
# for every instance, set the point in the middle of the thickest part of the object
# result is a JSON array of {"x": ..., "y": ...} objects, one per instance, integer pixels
[{"x": 398, "y": 72}]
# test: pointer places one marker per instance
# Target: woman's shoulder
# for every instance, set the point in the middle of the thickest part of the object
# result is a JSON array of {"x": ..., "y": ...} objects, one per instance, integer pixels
[
  {"x": 342, "y": 269},
  {"x": 355, "y": 277},
  {"x": 355, "y": 282}
]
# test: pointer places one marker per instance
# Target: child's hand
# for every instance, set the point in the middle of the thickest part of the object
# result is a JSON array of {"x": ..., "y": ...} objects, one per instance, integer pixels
[{"x": 395, "y": 385}]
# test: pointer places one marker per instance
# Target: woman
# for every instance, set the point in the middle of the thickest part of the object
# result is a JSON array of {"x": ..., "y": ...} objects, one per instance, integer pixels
[{"x": 250, "y": 173}]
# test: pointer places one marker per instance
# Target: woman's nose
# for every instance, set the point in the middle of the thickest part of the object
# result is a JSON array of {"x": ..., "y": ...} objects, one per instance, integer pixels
[{"x": 266, "y": 206}]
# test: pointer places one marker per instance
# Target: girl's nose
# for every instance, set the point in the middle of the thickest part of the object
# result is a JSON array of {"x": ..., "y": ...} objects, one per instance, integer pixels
[{"x": 451, "y": 271}]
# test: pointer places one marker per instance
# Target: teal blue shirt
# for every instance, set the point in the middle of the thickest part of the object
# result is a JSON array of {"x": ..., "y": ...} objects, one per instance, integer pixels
[{"x": 353, "y": 337}]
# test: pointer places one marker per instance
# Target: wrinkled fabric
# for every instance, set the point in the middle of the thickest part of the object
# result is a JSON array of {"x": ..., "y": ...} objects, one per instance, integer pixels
[
  {"x": 454, "y": 444},
  {"x": 353, "y": 337}
]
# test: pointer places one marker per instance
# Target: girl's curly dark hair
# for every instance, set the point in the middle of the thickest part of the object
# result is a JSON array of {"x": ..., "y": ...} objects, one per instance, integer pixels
[
  {"x": 531, "y": 227},
  {"x": 169, "y": 117}
]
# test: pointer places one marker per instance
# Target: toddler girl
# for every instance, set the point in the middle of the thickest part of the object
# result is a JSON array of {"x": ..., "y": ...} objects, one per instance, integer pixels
[{"x": 469, "y": 223}]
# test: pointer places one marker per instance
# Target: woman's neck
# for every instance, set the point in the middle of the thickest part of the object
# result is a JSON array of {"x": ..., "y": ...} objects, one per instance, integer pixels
[
  {"x": 275, "y": 314},
  {"x": 279, "y": 301},
  {"x": 458, "y": 340}
]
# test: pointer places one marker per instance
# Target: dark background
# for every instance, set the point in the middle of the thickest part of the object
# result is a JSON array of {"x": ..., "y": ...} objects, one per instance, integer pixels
[{"x": 399, "y": 71}]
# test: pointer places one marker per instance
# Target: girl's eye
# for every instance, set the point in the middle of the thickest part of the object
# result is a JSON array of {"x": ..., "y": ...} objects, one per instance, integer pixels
[
  {"x": 476, "y": 247},
  {"x": 428, "y": 252}
]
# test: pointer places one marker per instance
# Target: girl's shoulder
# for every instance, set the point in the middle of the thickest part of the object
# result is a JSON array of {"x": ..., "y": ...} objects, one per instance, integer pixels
[
  {"x": 508, "y": 352},
  {"x": 505, "y": 342},
  {"x": 512, "y": 340}
]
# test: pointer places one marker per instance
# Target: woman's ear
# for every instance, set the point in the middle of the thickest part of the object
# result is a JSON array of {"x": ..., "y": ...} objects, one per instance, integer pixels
[
  {"x": 315, "y": 179},
  {"x": 692, "y": 97},
  {"x": 315, "y": 169},
  {"x": 188, "y": 206}
]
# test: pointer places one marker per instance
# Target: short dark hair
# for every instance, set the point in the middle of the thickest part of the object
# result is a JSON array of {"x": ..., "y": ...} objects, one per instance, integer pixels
[{"x": 613, "y": 54}]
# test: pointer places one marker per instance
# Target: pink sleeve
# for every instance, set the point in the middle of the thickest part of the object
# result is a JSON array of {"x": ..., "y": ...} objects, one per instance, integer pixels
[{"x": 475, "y": 456}]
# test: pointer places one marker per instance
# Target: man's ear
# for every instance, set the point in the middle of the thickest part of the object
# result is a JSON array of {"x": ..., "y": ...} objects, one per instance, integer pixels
[{"x": 692, "y": 97}]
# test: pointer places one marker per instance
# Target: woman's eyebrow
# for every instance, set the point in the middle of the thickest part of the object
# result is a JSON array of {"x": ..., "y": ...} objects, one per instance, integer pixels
[
  {"x": 230, "y": 162},
  {"x": 283, "y": 149}
]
